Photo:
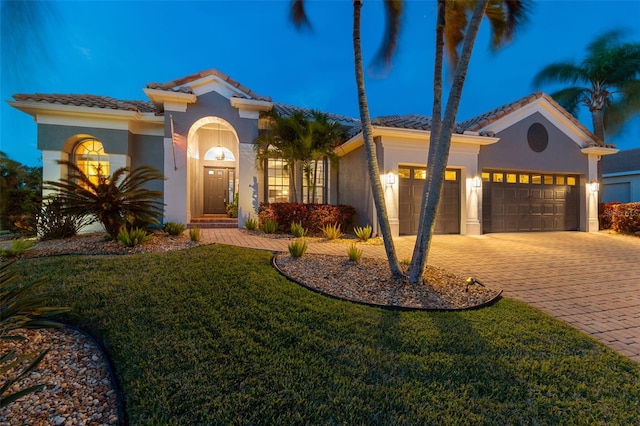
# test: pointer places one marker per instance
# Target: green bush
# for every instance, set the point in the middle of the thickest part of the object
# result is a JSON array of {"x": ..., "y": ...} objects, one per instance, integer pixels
[
  {"x": 174, "y": 228},
  {"x": 297, "y": 248},
  {"x": 232, "y": 207},
  {"x": 52, "y": 223},
  {"x": 364, "y": 233},
  {"x": 21, "y": 307},
  {"x": 269, "y": 226},
  {"x": 406, "y": 261},
  {"x": 194, "y": 234},
  {"x": 332, "y": 232},
  {"x": 297, "y": 230},
  {"x": 133, "y": 237},
  {"x": 17, "y": 246},
  {"x": 251, "y": 223},
  {"x": 354, "y": 253}
]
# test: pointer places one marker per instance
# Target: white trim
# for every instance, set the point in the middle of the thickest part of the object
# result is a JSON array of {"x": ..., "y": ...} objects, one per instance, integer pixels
[
  {"x": 250, "y": 108},
  {"x": 411, "y": 136},
  {"x": 172, "y": 101},
  {"x": 599, "y": 150}
]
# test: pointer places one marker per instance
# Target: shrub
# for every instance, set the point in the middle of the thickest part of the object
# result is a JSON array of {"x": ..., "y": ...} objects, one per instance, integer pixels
[
  {"x": 626, "y": 218},
  {"x": 406, "y": 261},
  {"x": 269, "y": 226},
  {"x": 174, "y": 228},
  {"x": 251, "y": 223},
  {"x": 605, "y": 214},
  {"x": 297, "y": 229},
  {"x": 232, "y": 207},
  {"x": 332, "y": 232},
  {"x": 52, "y": 223},
  {"x": 297, "y": 248},
  {"x": 364, "y": 233},
  {"x": 17, "y": 246},
  {"x": 21, "y": 306},
  {"x": 194, "y": 234},
  {"x": 132, "y": 237},
  {"x": 313, "y": 217},
  {"x": 114, "y": 201},
  {"x": 354, "y": 253}
]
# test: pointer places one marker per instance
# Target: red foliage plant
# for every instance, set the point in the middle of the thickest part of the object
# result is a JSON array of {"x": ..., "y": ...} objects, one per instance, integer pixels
[
  {"x": 605, "y": 213},
  {"x": 312, "y": 216},
  {"x": 626, "y": 218}
]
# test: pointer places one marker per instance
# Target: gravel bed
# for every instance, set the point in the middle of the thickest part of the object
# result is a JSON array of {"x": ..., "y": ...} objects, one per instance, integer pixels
[
  {"x": 369, "y": 281},
  {"x": 78, "y": 389}
]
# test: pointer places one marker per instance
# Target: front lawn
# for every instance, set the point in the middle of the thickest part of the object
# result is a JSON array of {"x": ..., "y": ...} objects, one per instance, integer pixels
[{"x": 213, "y": 335}]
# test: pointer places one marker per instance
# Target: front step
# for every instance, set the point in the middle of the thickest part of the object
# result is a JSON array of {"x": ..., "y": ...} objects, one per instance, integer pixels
[{"x": 213, "y": 222}]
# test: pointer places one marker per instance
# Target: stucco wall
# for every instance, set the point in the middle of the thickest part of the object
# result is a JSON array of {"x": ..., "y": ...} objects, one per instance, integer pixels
[
  {"x": 53, "y": 137},
  {"x": 512, "y": 151},
  {"x": 354, "y": 187},
  {"x": 147, "y": 150}
]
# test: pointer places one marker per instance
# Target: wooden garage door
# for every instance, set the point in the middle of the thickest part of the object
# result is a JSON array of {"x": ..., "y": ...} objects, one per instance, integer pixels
[
  {"x": 411, "y": 182},
  {"x": 521, "y": 201}
]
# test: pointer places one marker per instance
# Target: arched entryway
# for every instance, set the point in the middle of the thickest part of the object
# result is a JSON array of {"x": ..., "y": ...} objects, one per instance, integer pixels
[{"x": 212, "y": 151}]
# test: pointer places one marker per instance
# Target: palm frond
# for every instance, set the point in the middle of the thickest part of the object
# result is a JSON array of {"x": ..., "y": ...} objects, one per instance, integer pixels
[{"x": 570, "y": 98}]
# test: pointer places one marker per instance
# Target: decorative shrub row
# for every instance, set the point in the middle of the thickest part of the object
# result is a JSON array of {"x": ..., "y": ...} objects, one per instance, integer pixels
[
  {"x": 310, "y": 216},
  {"x": 623, "y": 218}
]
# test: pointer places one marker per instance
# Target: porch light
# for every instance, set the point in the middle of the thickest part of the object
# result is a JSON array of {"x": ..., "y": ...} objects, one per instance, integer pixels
[
  {"x": 391, "y": 179},
  {"x": 594, "y": 186},
  {"x": 476, "y": 182}
]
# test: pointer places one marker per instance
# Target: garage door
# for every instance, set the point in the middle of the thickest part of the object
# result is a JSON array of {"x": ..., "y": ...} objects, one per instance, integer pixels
[
  {"x": 521, "y": 201},
  {"x": 411, "y": 182}
]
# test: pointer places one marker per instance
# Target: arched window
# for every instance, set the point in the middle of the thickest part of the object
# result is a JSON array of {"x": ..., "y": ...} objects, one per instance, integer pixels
[{"x": 91, "y": 159}]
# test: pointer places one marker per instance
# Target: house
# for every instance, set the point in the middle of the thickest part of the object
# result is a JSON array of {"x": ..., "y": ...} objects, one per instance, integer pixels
[
  {"x": 526, "y": 166},
  {"x": 621, "y": 177}
]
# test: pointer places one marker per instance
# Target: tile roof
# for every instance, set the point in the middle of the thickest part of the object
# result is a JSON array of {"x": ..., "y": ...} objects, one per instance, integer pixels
[
  {"x": 285, "y": 110},
  {"x": 623, "y": 161},
  {"x": 480, "y": 121},
  {"x": 91, "y": 101},
  {"x": 182, "y": 84},
  {"x": 409, "y": 121}
]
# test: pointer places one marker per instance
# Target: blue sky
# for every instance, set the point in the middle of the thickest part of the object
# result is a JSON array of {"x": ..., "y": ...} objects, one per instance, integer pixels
[{"x": 115, "y": 48}]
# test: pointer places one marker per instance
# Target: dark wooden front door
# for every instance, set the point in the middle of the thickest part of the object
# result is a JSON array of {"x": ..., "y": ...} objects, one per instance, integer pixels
[
  {"x": 411, "y": 182},
  {"x": 218, "y": 189}
]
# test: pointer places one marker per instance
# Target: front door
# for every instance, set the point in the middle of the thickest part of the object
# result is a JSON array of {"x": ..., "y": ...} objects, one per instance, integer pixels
[{"x": 218, "y": 189}]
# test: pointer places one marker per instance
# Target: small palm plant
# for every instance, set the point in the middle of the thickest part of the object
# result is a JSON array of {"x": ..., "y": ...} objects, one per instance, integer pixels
[
  {"x": 21, "y": 307},
  {"x": 111, "y": 200}
]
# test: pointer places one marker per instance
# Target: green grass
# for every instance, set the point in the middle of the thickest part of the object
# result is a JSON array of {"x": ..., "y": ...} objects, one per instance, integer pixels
[{"x": 213, "y": 335}]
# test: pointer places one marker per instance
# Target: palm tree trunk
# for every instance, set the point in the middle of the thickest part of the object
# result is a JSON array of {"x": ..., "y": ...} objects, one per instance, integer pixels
[
  {"x": 436, "y": 174},
  {"x": 370, "y": 149},
  {"x": 597, "y": 118},
  {"x": 436, "y": 119}
]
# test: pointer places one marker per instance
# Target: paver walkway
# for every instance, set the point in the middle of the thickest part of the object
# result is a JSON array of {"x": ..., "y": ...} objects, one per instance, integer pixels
[{"x": 591, "y": 281}]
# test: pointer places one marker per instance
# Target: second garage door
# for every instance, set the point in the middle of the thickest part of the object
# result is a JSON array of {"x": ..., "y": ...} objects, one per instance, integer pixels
[
  {"x": 411, "y": 182},
  {"x": 515, "y": 201}
]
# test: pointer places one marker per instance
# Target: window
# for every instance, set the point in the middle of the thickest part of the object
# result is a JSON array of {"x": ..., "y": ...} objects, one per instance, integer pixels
[
  {"x": 451, "y": 175},
  {"x": 511, "y": 177},
  {"x": 523, "y": 178},
  {"x": 404, "y": 173},
  {"x": 317, "y": 172},
  {"x": 91, "y": 159},
  {"x": 498, "y": 177},
  {"x": 420, "y": 174},
  {"x": 277, "y": 181}
]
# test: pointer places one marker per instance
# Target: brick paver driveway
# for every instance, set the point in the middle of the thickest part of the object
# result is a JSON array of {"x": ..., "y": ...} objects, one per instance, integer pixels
[{"x": 591, "y": 281}]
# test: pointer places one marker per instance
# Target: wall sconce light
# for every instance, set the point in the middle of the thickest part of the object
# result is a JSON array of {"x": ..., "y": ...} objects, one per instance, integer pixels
[
  {"x": 391, "y": 179},
  {"x": 594, "y": 186},
  {"x": 476, "y": 182}
]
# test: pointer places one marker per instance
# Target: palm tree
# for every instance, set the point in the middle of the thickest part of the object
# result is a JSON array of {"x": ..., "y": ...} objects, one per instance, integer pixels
[
  {"x": 298, "y": 140},
  {"x": 453, "y": 28},
  {"x": 393, "y": 14},
  {"x": 114, "y": 201},
  {"x": 607, "y": 82}
]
